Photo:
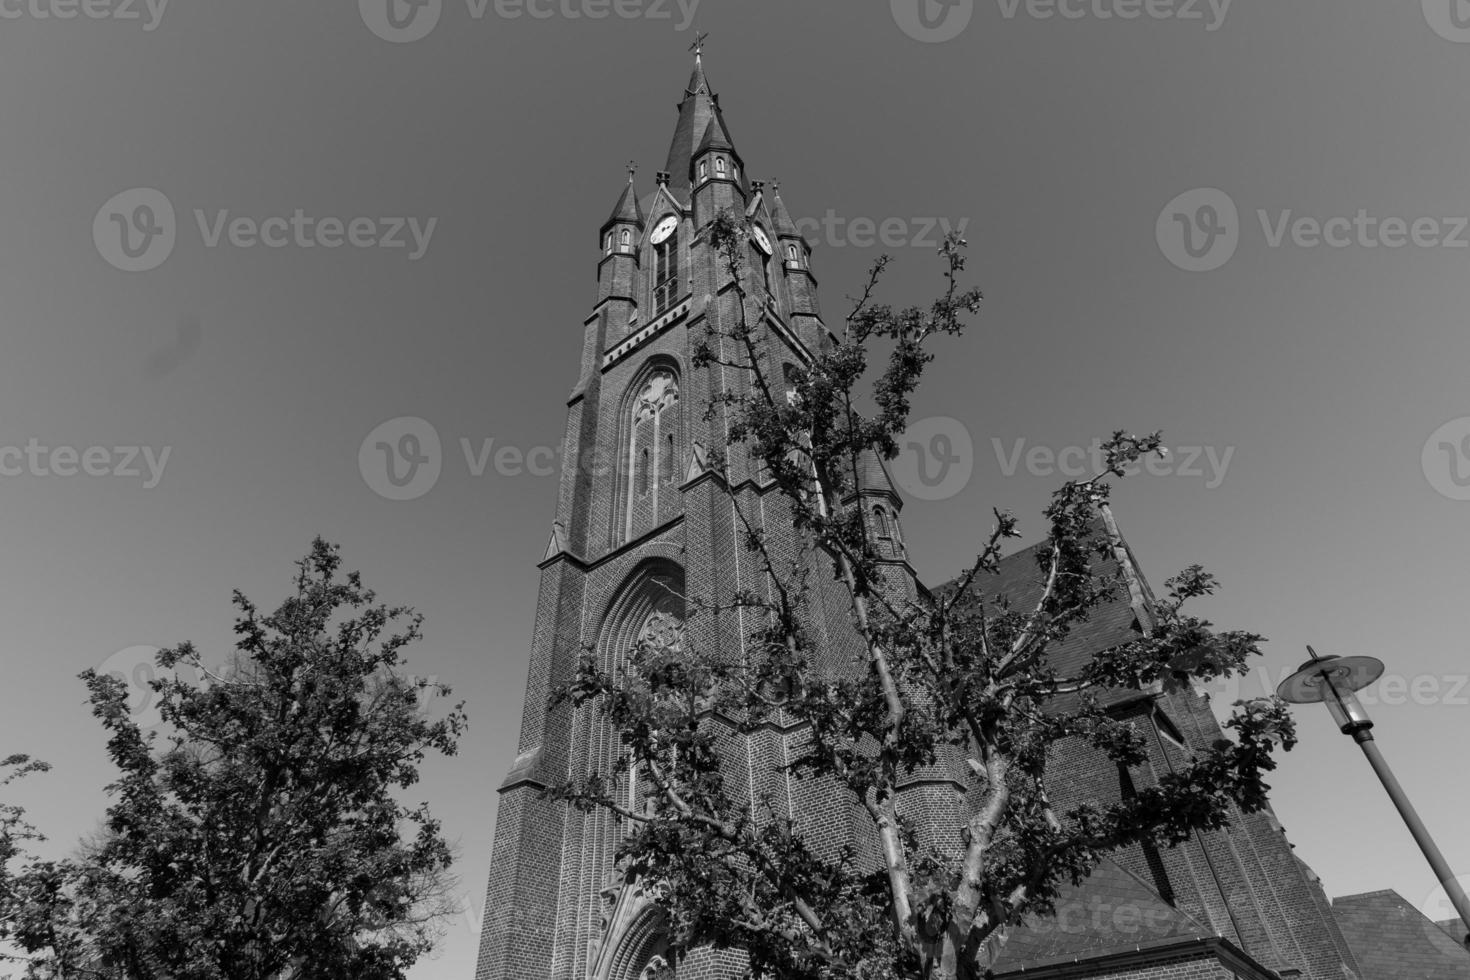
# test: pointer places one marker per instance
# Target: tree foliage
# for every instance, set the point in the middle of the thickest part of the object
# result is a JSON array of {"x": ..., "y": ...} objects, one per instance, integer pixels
[
  {"x": 264, "y": 838},
  {"x": 958, "y": 669}
]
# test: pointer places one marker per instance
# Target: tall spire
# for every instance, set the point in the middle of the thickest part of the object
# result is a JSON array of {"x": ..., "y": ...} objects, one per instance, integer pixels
[{"x": 699, "y": 107}]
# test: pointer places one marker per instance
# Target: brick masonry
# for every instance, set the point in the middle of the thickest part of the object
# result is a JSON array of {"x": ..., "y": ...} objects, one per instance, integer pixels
[{"x": 639, "y": 523}]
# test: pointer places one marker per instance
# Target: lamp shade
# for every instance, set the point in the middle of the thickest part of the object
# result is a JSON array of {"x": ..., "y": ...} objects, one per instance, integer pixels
[
  {"x": 1317, "y": 679},
  {"x": 1332, "y": 680}
]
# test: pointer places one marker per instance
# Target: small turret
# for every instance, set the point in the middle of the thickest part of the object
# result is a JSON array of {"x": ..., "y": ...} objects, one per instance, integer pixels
[
  {"x": 716, "y": 172},
  {"x": 620, "y": 237},
  {"x": 795, "y": 254},
  {"x": 881, "y": 503}
]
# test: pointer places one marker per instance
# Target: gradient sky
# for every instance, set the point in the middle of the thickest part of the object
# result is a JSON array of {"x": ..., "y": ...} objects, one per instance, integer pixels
[{"x": 1059, "y": 141}]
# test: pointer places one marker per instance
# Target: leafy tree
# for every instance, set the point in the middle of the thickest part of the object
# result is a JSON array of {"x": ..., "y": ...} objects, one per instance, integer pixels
[
  {"x": 15, "y": 833},
  {"x": 958, "y": 667},
  {"x": 264, "y": 840}
]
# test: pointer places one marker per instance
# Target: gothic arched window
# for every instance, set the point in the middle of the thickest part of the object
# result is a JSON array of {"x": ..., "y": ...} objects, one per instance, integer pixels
[
  {"x": 652, "y": 449},
  {"x": 703, "y": 169},
  {"x": 719, "y": 166},
  {"x": 647, "y": 615},
  {"x": 607, "y": 244},
  {"x": 627, "y": 237},
  {"x": 885, "y": 523}
]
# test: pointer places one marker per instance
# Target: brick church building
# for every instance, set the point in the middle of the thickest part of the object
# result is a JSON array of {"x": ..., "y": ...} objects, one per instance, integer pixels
[{"x": 641, "y": 521}]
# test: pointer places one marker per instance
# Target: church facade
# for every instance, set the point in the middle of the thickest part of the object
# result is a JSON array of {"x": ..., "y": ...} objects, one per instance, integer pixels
[{"x": 641, "y": 522}]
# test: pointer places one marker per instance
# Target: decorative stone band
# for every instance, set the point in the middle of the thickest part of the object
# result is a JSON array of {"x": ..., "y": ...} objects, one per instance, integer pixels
[{"x": 655, "y": 327}]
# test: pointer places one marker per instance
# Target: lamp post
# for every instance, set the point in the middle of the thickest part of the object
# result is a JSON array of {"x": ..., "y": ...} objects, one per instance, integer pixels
[{"x": 1332, "y": 680}]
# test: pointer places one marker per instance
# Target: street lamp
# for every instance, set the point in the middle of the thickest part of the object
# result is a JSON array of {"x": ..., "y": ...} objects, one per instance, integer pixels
[{"x": 1332, "y": 680}]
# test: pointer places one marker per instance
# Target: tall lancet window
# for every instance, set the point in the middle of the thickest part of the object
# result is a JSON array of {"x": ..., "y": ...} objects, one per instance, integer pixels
[
  {"x": 646, "y": 622},
  {"x": 665, "y": 273},
  {"x": 652, "y": 443}
]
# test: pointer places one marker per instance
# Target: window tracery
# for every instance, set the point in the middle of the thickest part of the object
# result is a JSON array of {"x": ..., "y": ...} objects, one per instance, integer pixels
[{"x": 652, "y": 449}]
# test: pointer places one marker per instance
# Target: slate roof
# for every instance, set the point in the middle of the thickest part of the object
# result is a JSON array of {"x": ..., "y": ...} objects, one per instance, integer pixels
[
  {"x": 627, "y": 210},
  {"x": 1021, "y": 579},
  {"x": 1393, "y": 940},
  {"x": 781, "y": 218},
  {"x": 1110, "y": 912},
  {"x": 872, "y": 476},
  {"x": 715, "y": 137}
]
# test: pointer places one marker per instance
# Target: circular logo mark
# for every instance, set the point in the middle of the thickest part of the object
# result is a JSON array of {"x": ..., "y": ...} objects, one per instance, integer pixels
[
  {"x": 401, "y": 459},
  {"x": 932, "y": 21},
  {"x": 1449, "y": 18},
  {"x": 1446, "y": 459},
  {"x": 400, "y": 21},
  {"x": 935, "y": 459},
  {"x": 1199, "y": 230},
  {"x": 1438, "y": 908},
  {"x": 134, "y": 230},
  {"x": 134, "y": 666}
]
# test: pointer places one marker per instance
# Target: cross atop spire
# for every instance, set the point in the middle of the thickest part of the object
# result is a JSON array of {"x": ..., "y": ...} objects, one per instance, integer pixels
[
  {"x": 632, "y": 169},
  {"x": 698, "y": 46}
]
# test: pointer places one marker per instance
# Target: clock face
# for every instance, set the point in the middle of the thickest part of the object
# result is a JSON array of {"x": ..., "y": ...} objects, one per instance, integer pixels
[
  {"x": 664, "y": 229},
  {"x": 759, "y": 234}
]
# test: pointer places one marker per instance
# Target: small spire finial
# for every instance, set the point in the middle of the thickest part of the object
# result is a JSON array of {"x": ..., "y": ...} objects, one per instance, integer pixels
[
  {"x": 632, "y": 169},
  {"x": 698, "y": 46}
]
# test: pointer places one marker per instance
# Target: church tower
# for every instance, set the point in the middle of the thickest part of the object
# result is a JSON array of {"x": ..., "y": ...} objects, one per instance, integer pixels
[{"x": 643, "y": 523}]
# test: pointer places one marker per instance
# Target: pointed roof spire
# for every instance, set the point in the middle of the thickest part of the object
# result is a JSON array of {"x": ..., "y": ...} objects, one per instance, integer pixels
[
  {"x": 780, "y": 217},
  {"x": 715, "y": 137},
  {"x": 699, "y": 106},
  {"x": 557, "y": 543},
  {"x": 627, "y": 210},
  {"x": 872, "y": 476}
]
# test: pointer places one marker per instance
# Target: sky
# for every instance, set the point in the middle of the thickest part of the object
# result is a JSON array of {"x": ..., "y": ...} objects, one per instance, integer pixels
[{"x": 237, "y": 239}]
